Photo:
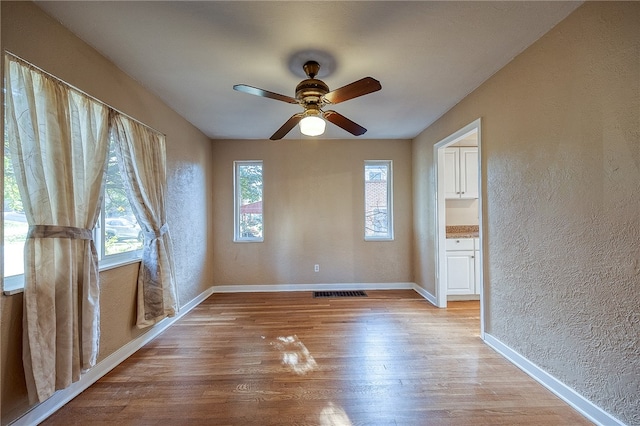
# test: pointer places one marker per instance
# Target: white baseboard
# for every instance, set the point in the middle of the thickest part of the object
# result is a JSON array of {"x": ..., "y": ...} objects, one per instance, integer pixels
[
  {"x": 564, "y": 392},
  {"x": 424, "y": 293},
  {"x": 248, "y": 288},
  {"x": 45, "y": 409}
]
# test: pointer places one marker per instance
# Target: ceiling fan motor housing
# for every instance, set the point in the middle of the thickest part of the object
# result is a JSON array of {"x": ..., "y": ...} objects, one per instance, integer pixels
[{"x": 311, "y": 90}]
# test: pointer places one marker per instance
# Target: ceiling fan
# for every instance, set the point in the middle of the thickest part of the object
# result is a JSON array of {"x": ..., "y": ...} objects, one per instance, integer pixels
[{"x": 313, "y": 94}]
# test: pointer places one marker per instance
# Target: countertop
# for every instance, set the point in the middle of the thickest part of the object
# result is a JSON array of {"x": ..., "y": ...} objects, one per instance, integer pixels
[{"x": 462, "y": 231}]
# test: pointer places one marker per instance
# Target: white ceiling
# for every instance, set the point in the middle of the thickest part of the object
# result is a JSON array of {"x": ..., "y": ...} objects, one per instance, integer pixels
[{"x": 427, "y": 55}]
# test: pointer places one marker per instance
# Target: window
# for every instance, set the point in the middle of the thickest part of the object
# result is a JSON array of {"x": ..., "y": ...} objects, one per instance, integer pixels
[
  {"x": 15, "y": 226},
  {"x": 248, "y": 201},
  {"x": 378, "y": 205},
  {"x": 117, "y": 235}
]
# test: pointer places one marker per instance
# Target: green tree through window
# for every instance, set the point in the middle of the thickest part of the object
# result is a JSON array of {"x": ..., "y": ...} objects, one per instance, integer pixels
[
  {"x": 248, "y": 206},
  {"x": 121, "y": 230}
]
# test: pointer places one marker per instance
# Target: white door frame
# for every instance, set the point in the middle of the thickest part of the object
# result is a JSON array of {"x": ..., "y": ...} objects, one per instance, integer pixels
[{"x": 440, "y": 212}]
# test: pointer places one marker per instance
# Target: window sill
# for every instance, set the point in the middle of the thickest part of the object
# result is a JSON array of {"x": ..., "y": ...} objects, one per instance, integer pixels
[
  {"x": 105, "y": 266},
  {"x": 379, "y": 239},
  {"x": 16, "y": 284},
  {"x": 10, "y": 291},
  {"x": 249, "y": 240}
]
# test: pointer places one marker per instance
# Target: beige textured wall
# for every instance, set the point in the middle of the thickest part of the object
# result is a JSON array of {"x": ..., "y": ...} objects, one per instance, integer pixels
[
  {"x": 314, "y": 214},
  {"x": 30, "y": 34},
  {"x": 561, "y": 185},
  {"x": 424, "y": 208}
]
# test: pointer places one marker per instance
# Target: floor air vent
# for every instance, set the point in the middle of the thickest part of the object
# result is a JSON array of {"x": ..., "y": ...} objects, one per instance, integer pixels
[{"x": 349, "y": 293}]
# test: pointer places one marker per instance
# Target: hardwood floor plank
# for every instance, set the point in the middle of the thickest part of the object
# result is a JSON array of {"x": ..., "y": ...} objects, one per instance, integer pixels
[{"x": 289, "y": 359}]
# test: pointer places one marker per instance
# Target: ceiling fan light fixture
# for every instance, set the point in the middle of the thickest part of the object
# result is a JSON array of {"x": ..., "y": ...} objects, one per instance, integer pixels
[{"x": 312, "y": 125}]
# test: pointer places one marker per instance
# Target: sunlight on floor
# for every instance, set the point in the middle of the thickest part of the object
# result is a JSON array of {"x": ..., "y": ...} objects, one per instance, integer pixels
[
  {"x": 297, "y": 357},
  {"x": 295, "y": 354},
  {"x": 332, "y": 415}
]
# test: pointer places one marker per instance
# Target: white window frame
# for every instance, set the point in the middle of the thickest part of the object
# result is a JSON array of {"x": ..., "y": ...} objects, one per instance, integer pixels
[
  {"x": 110, "y": 261},
  {"x": 390, "y": 234},
  {"x": 237, "y": 202}
]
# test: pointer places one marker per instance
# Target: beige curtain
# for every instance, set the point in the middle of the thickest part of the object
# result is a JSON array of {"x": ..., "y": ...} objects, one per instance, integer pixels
[
  {"x": 142, "y": 159},
  {"x": 58, "y": 142}
]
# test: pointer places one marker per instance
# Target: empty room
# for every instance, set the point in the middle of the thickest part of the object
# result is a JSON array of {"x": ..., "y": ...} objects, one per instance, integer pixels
[{"x": 319, "y": 212}]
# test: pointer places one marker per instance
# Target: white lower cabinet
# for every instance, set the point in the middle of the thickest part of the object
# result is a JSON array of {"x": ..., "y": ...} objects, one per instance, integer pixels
[{"x": 462, "y": 264}]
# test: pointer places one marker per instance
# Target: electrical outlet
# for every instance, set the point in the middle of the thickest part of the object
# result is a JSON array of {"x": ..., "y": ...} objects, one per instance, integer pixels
[{"x": 316, "y": 268}]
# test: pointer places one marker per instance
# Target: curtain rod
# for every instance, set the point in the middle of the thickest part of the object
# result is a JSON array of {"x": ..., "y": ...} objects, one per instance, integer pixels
[{"x": 37, "y": 68}]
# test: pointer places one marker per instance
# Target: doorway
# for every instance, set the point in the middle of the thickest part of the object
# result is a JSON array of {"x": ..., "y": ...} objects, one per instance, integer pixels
[{"x": 458, "y": 174}]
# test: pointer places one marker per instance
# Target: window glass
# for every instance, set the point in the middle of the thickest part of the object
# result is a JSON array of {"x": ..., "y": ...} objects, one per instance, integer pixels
[
  {"x": 248, "y": 201},
  {"x": 15, "y": 222},
  {"x": 378, "y": 209},
  {"x": 120, "y": 230}
]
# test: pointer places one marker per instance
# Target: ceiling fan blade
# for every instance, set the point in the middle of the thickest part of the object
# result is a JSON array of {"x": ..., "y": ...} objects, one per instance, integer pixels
[
  {"x": 264, "y": 93},
  {"x": 357, "y": 88},
  {"x": 286, "y": 127},
  {"x": 342, "y": 121}
]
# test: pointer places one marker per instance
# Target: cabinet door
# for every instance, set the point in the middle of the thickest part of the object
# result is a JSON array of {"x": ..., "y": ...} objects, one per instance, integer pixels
[
  {"x": 469, "y": 172},
  {"x": 460, "y": 272},
  {"x": 451, "y": 173}
]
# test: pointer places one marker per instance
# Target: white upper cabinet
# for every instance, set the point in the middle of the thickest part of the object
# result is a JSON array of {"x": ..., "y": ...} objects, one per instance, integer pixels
[
  {"x": 452, "y": 173},
  {"x": 461, "y": 172},
  {"x": 469, "y": 172}
]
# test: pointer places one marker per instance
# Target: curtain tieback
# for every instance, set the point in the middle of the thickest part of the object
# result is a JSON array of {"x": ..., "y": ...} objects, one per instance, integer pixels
[
  {"x": 148, "y": 236},
  {"x": 55, "y": 231}
]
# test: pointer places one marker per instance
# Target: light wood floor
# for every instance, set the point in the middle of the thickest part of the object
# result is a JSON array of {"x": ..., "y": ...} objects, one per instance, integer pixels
[{"x": 289, "y": 359}]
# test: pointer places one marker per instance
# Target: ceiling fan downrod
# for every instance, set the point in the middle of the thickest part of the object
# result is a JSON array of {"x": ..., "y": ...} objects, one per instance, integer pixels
[{"x": 311, "y": 68}]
